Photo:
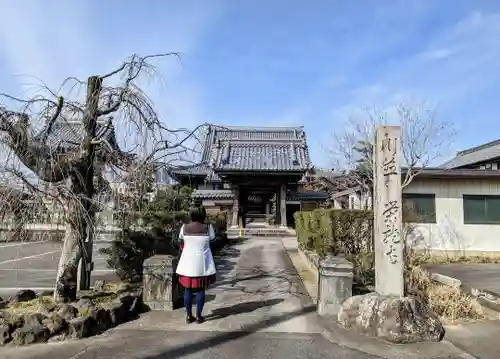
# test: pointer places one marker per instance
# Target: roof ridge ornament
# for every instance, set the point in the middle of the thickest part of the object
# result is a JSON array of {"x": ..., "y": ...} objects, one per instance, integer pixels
[
  {"x": 295, "y": 161},
  {"x": 226, "y": 153}
]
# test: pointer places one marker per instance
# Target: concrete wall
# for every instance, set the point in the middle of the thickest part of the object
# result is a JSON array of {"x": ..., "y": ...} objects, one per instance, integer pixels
[{"x": 449, "y": 233}]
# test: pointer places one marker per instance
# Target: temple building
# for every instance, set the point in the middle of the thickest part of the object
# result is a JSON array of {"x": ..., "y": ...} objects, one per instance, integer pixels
[{"x": 258, "y": 172}]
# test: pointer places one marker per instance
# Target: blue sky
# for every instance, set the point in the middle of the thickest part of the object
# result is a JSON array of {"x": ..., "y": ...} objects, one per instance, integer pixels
[{"x": 273, "y": 62}]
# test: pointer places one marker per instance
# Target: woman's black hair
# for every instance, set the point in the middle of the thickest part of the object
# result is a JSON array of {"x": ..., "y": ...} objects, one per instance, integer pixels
[{"x": 198, "y": 214}]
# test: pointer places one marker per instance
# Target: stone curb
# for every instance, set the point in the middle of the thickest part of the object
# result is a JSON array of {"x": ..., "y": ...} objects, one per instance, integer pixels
[{"x": 347, "y": 339}]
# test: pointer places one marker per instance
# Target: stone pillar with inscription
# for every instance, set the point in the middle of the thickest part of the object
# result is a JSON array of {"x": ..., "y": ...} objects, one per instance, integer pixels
[
  {"x": 282, "y": 204},
  {"x": 389, "y": 244},
  {"x": 236, "y": 206}
]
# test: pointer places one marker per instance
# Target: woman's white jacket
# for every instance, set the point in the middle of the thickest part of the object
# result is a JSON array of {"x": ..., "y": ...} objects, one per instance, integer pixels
[{"x": 196, "y": 258}]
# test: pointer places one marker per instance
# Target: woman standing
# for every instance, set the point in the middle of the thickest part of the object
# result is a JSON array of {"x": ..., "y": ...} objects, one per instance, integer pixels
[{"x": 196, "y": 268}]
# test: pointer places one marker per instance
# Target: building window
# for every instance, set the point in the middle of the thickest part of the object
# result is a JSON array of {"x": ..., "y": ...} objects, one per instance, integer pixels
[
  {"x": 480, "y": 209},
  {"x": 419, "y": 208}
]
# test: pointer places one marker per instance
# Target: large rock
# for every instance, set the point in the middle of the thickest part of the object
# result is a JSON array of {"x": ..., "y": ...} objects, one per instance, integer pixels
[
  {"x": 84, "y": 306},
  {"x": 118, "y": 313},
  {"x": 23, "y": 296},
  {"x": 102, "y": 318},
  {"x": 395, "y": 319},
  {"x": 66, "y": 311},
  {"x": 55, "y": 324},
  {"x": 30, "y": 334},
  {"x": 5, "y": 331},
  {"x": 33, "y": 319},
  {"x": 82, "y": 327}
]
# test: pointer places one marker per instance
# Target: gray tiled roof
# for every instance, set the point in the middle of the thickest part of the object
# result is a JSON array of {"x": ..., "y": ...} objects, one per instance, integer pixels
[
  {"x": 257, "y": 149},
  {"x": 261, "y": 157},
  {"x": 213, "y": 194},
  {"x": 474, "y": 155},
  {"x": 69, "y": 134},
  {"x": 198, "y": 170},
  {"x": 230, "y": 148},
  {"x": 303, "y": 195}
]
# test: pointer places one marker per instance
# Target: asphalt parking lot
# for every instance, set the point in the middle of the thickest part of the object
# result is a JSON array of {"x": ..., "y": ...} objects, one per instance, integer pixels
[{"x": 33, "y": 265}]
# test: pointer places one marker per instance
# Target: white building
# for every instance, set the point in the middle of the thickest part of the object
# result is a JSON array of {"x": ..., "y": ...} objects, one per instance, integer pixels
[{"x": 457, "y": 204}]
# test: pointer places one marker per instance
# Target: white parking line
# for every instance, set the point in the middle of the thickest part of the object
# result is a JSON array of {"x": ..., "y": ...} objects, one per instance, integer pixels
[
  {"x": 51, "y": 270},
  {"x": 29, "y": 257},
  {"x": 21, "y": 244},
  {"x": 39, "y": 289}
]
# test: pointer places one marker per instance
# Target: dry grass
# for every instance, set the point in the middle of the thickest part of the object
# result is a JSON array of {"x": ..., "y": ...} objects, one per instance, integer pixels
[
  {"x": 442, "y": 257},
  {"x": 108, "y": 294},
  {"x": 451, "y": 304},
  {"x": 30, "y": 306}
]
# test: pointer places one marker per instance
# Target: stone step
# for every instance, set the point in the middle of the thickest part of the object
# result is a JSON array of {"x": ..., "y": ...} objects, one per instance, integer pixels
[{"x": 262, "y": 232}]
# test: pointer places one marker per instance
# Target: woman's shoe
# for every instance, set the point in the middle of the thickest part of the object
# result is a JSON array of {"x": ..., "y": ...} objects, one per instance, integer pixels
[
  {"x": 190, "y": 319},
  {"x": 200, "y": 320}
]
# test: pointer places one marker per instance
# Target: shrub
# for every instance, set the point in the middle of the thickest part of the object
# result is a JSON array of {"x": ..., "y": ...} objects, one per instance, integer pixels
[
  {"x": 335, "y": 231},
  {"x": 340, "y": 232}
]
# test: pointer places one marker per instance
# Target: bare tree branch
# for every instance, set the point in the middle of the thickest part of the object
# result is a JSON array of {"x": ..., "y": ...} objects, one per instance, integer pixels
[
  {"x": 425, "y": 139},
  {"x": 70, "y": 171}
]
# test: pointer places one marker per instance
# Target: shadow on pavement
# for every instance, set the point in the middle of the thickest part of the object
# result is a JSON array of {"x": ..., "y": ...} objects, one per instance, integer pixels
[
  {"x": 241, "y": 308},
  {"x": 226, "y": 260},
  {"x": 221, "y": 338}
]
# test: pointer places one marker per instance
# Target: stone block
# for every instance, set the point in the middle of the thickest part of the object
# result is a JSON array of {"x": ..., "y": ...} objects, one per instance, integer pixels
[
  {"x": 334, "y": 284},
  {"x": 392, "y": 318},
  {"x": 160, "y": 288}
]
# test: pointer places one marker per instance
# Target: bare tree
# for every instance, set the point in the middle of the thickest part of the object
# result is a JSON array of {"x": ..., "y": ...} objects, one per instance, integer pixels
[
  {"x": 74, "y": 168},
  {"x": 425, "y": 138}
]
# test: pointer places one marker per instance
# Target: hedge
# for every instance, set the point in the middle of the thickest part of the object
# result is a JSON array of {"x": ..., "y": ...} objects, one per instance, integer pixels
[
  {"x": 335, "y": 231},
  {"x": 342, "y": 232},
  {"x": 131, "y": 247}
]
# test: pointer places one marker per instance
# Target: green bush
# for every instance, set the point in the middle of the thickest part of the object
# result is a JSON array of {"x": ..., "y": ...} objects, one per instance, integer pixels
[
  {"x": 335, "y": 231},
  {"x": 131, "y": 247},
  {"x": 340, "y": 232}
]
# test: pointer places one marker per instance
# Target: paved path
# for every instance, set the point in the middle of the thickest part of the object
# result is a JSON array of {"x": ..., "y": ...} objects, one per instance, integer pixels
[{"x": 258, "y": 309}]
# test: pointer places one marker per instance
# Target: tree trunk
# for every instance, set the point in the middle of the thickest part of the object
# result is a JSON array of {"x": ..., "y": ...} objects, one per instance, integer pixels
[
  {"x": 80, "y": 227},
  {"x": 67, "y": 273}
]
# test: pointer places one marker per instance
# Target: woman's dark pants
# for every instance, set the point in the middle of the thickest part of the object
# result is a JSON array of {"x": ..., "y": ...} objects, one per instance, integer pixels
[{"x": 188, "y": 301}]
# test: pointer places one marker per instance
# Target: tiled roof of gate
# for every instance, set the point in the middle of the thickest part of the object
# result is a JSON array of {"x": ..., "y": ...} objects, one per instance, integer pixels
[
  {"x": 230, "y": 148},
  {"x": 257, "y": 149}
]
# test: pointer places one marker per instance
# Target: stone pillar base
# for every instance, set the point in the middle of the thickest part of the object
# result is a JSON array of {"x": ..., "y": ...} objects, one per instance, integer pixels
[
  {"x": 160, "y": 287},
  {"x": 335, "y": 284}
]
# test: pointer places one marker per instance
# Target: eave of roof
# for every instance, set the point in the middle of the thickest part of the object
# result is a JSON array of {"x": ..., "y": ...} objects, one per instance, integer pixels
[
  {"x": 212, "y": 194},
  {"x": 455, "y": 173},
  {"x": 303, "y": 195},
  {"x": 475, "y": 155}
]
